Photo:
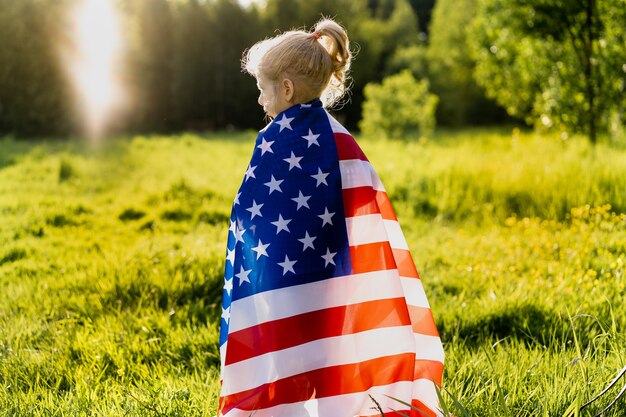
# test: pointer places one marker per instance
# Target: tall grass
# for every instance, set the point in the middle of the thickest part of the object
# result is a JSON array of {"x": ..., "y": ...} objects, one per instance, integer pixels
[{"x": 111, "y": 260}]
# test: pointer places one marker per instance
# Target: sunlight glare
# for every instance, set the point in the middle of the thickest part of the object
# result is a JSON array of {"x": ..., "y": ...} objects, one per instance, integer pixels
[{"x": 98, "y": 42}]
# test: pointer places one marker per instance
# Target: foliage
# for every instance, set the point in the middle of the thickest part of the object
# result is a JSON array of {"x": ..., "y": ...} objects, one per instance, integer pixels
[
  {"x": 451, "y": 67},
  {"x": 554, "y": 63},
  {"x": 400, "y": 106},
  {"x": 110, "y": 307},
  {"x": 180, "y": 65}
]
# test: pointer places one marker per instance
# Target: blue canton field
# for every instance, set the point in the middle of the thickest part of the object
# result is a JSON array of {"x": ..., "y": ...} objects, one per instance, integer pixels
[{"x": 111, "y": 260}]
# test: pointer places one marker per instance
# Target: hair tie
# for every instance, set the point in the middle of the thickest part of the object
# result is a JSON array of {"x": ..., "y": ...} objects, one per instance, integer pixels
[{"x": 316, "y": 35}]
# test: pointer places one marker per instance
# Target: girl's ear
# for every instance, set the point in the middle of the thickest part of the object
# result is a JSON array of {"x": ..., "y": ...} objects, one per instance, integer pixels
[{"x": 287, "y": 89}]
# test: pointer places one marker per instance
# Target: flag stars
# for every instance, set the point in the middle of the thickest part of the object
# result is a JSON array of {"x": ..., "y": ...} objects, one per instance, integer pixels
[
  {"x": 320, "y": 177},
  {"x": 285, "y": 122},
  {"x": 226, "y": 314},
  {"x": 281, "y": 224},
  {"x": 294, "y": 161},
  {"x": 307, "y": 241},
  {"x": 287, "y": 265},
  {"x": 261, "y": 249},
  {"x": 230, "y": 256},
  {"x": 301, "y": 200},
  {"x": 243, "y": 275},
  {"x": 237, "y": 198},
  {"x": 255, "y": 210},
  {"x": 326, "y": 217},
  {"x": 328, "y": 258},
  {"x": 239, "y": 234},
  {"x": 249, "y": 174},
  {"x": 228, "y": 286},
  {"x": 232, "y": 227},
  {"x": 311, "y": 139},
  {"x": 265, "y": 146},
  {"x": 274, "y": 185}
]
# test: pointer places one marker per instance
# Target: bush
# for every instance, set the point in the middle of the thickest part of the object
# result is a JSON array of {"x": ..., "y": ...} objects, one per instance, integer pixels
[{"x": 399, "y": 107}]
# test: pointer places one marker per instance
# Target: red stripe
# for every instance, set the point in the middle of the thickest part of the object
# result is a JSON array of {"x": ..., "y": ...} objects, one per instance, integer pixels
[
  {"x": 396, "y": 413},
  {"x": 406, "y": 267},
  {"x": 423, "y": 321},
  {"x": 420, "y": 410},
  {"x": 325, "y": 382},
  {"x": 372, "y": 257},
  {"x": 347, "y": 148},
  {"x": 296, "y": 330},
  {"x": 366, "y": 200},
  {"x": 425, "y": 369}
]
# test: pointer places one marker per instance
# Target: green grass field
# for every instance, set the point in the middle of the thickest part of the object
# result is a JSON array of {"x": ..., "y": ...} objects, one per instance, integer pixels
[{"x": 111, "y": 259}]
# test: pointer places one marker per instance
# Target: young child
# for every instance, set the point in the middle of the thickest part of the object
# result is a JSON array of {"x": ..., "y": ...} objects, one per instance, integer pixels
[{"x": 322, "y": 304}]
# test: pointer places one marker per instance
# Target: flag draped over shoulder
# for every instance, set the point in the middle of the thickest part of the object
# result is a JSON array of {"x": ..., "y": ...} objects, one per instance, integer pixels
[{"x": 322, "y": 304}]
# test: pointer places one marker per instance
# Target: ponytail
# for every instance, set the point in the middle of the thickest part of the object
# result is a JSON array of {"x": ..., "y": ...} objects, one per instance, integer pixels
[{"x": 334, "y": 39}]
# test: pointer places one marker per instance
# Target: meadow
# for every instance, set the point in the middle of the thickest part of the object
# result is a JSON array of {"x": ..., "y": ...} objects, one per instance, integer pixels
[{"x": 111, "y": 260}]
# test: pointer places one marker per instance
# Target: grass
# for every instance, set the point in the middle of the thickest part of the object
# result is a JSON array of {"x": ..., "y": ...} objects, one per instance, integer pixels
[{"x": 111, "y": 260}]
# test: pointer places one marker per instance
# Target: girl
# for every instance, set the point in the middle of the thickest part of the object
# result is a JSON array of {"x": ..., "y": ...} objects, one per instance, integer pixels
[{"x": 323, "y": 309}]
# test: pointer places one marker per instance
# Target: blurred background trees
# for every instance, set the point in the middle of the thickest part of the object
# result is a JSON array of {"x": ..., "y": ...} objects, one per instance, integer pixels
[{"x": 543, "y": 62}]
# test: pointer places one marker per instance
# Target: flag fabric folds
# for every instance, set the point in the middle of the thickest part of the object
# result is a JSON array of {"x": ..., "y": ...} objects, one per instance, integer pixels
[{"x": 322, "y": 304}]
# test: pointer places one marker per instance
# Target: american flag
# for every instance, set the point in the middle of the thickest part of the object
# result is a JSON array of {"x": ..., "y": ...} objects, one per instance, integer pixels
[{"x": 322, "y": 303}]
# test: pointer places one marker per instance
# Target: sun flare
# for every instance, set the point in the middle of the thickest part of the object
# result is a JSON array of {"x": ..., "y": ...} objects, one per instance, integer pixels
[{"x": 93, "y": 63}]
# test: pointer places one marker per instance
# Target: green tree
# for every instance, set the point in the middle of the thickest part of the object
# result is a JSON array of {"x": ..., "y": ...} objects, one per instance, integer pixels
[
  {"x": 451, "y": 67},
  {"x": 399, "y": 107},
  {"x": 556, "y": 63},
  {"x": 35, "y": 94}
]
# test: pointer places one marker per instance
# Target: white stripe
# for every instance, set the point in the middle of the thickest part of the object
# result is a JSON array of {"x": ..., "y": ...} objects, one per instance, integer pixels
[
  {"x": 425, "y": 391},
  {"x": 396, "y": 237},
  {"x": 318, "y": 354},
  {"x": 223, "y": 355},
  {"x": 371, "y": 228},
  {"x": 428, "y": 347},
  {"x": 346, "y": 405},
  {"x": 299, "y": 299},
  {"x": 414, "y": 292},
  {"x": 356, "y": 173},
  {"x": 365, "y": 229},
  {"x": 335, "y": 125}
]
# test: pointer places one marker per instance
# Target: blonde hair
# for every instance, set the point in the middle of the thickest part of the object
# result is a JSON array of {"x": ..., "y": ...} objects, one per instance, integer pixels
[{"x": 317, "y": 62}]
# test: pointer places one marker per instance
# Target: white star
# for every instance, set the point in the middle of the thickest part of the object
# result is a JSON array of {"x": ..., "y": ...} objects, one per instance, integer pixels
[
  {"x": 326, "y": 217},
  {"x": 311, "y": 138},
  {"x": 265, "y": 146},
  {"x": 281, "y": 224},
  {"x": 301, "y": 200},
  {"x": 261, "y": 249},
  {"x": 237, "y": 198},
  {"x": 232, "y": 226},
  {"x": 320, "y": 177},
  {"x": 226, "y": 314},
  {"x": 328, "y": 258},
  {"x": 231, "y": 256},
  {"x": 307, "y": 241},
  {"x": 249, "y": 173},
  {"x": 305, "y": 106},
  {"x": 287, "y": 265},
  {"x": 239, "y": 234},
  {"x": 243, "y": 275},
  {"x": 285, "y": 122},
  {"x": 255, "y": 210},
  {"x": 294, "y": 161},
  {"x": 274, "y": 185},
  {"x": 228, "y": 286}
]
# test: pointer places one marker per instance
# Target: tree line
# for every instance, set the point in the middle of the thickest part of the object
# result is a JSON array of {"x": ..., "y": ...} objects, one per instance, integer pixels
[{"x": 488, "y": 61}]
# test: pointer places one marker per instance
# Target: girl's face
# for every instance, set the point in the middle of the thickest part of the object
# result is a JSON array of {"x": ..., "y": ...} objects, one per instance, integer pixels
[{"x": 271, "y": 98}]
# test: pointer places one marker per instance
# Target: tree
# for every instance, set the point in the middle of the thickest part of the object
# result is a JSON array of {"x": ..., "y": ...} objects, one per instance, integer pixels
[
  {"x": 555, "y": 63},
  {"x": 399, "y": 107},
  {"x": 451, "y": 67}
]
